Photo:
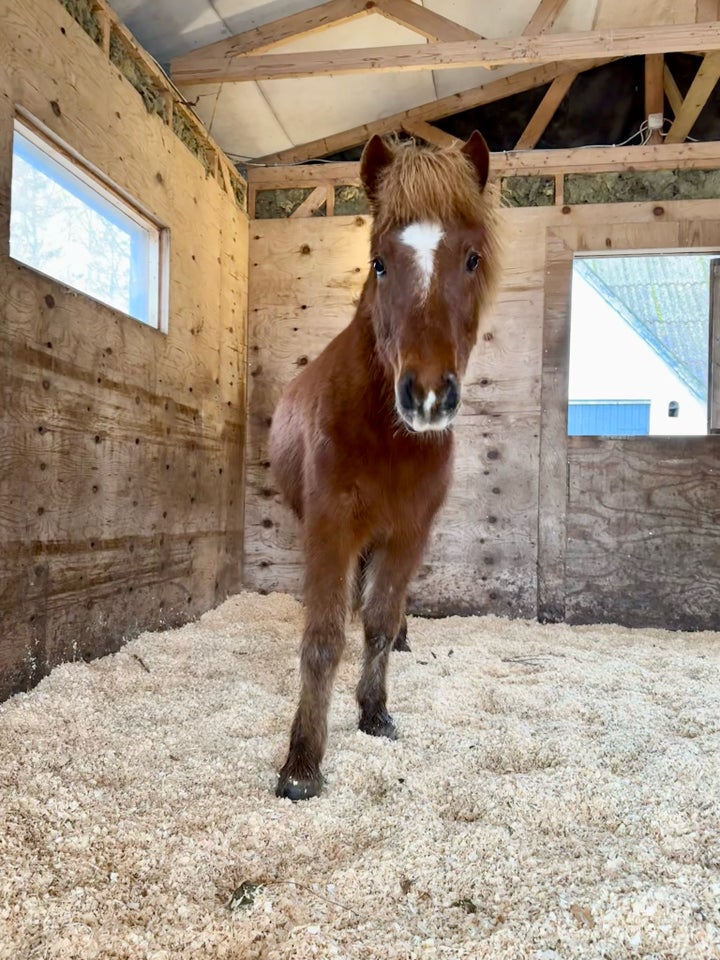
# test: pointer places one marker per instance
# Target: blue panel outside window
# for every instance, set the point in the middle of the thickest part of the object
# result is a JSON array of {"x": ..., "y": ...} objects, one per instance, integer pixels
[{"x": 609, "y": 418}]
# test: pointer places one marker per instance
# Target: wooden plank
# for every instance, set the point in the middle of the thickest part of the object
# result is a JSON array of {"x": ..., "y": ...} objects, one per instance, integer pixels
[
  {"x": 271, "y": 34},
  {"x": 643, "y": 538},
  {"x": 425, "y": 21},
  {"x": 545, "y": 111},
  {"x": 425, "y": 131},
  {"x": 433, "y": 110},
  {"x": 544, "y": 48},
  {"x": 583, "y": 159},
  {"x": 697, "y": 96},
  {"x": 654, "y": 92},
  {"x": 544, "y": 17},
  {"x": 714, "y": 358},
  {"x": 671, "y": 90},
  {"x": 311, "y": 203},
  {"x": 707, "y": 10},
  {"x": 552, "y": 499}
]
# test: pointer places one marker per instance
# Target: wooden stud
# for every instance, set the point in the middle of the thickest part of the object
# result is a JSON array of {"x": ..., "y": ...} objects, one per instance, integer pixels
[
  {"x": 542, "y": 48},
  {"x": 168, "y": 107},
  {"x": 707, "y": 10},
  {"x": 559, "y": 189},
  {"x": 425, "y": 131},
  {"x": 671, "y": 91},
  {"x": 330, "y": 201},
  {"x": 544, "y": 17},
  {"x": 545, "y": 111},
  {"x": 654, "y": 92},
  {"x": 103, "y": 19},
  {"x": 425, "y": 21},
  {"x": 311, "y": 203},
  {"x": 702, "y": 86}
]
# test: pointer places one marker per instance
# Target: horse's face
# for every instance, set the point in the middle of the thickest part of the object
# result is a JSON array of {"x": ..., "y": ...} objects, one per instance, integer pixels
[{"x": 427, "y": 281}]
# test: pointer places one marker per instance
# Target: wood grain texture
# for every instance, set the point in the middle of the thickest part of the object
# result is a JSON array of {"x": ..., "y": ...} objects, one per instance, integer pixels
[
  {"x": 500, "y": 544},
  {"x": 121, "y": 449},
  {"x": 643, "y": 543},
  {"x": 449, "y": 55}
]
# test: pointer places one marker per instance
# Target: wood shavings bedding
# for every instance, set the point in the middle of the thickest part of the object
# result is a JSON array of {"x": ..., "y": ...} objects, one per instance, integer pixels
[{"x": 554, "y": 794}]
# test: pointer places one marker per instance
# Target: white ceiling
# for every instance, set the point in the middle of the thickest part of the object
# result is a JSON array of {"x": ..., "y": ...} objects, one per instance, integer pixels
[{"x": 255, "y": 118}]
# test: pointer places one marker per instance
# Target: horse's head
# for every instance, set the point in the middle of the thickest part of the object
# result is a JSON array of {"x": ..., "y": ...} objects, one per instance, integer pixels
[{"x": 433, "y": 265}]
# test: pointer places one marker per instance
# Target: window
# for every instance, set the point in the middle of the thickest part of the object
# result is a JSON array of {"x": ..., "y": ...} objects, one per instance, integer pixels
[
  {"x": 68, "y": 224},
  {"x": 640, "y": 345}
]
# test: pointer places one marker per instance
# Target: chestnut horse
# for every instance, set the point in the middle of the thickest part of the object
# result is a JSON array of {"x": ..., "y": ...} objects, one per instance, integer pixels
[{"x": 361, "y": 444}]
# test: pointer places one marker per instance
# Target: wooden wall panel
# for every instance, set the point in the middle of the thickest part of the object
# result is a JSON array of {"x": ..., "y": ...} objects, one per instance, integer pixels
[
  {"x": 121, "y": 449},
  {"x": 643, "y": 536},
  {"x": 501, "y": 543}
]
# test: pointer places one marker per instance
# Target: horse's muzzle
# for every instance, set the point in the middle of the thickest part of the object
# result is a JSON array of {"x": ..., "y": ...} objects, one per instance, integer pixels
[{"x": 424, "y": 409}]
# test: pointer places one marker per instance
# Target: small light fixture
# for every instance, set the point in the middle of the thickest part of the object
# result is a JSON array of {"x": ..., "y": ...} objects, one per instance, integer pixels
[{"x": 673, "y": 409}]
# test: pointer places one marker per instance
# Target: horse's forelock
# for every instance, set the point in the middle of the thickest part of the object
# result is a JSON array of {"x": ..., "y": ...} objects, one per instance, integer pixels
[{"x": 422, "y": 183}]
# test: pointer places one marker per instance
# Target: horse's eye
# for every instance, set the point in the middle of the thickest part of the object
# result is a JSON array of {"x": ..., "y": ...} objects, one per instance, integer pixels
[
  {"x": 472, "y": 262},
  {"x": 378, "y": 266}
]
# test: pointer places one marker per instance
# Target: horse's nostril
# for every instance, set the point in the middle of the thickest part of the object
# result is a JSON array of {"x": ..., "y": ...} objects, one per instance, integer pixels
[
  {"x": 450, "y": 399},
  {"x": 405, "y": 392}
]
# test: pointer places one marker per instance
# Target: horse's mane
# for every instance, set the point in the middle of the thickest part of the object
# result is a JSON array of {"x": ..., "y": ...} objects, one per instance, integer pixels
[{"x": 427, "y": 183}]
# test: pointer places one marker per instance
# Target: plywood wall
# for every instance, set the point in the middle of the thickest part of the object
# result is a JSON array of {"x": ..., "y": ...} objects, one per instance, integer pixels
[
  {"x": 121, "y": 449},
  {"x": 520, "y": 534}
]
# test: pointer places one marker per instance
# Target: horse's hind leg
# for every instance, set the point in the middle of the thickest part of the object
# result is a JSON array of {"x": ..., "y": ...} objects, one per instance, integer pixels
[
  {"x": 383, "y": 615},
  {"x": 329, "y": 553},
  {"x": 364, "y": 566}
]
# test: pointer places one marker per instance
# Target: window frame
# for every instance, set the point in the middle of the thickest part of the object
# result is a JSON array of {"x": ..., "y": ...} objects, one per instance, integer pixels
[{"x": 92, "y": 188}]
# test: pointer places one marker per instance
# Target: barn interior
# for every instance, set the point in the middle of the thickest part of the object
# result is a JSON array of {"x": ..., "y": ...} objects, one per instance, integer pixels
[
  {"x": 137, "y": 494},
  {"x": 137, "y": 484}
]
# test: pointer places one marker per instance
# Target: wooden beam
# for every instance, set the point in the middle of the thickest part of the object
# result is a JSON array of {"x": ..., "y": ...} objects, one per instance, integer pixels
[
  {"x": 671, "y": 91},
  {"x": 545, "y": 111},
  {"x": 654, "y": 92},
  {"x": 707, "y": 10},
  {"x": 544, "y": 17},
  {"x": 276, "y": 32},
  {"x": 312, "y": 203},
  {"x": 419, "y": 128},
  {"x": 449, "y": 56},
  {"x": 696, "y": 98},
  {"x": 425, "y": 21},
  {"x": 433, "y": 110},
  {"x": 704, "y": 155}
]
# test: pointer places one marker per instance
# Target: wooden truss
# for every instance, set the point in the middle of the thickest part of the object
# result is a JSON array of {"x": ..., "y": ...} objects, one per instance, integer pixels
[{"x": 556, "y": 58}]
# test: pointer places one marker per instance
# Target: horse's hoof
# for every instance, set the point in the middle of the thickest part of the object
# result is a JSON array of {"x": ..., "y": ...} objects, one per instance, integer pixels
[
  {"x": 295, "y": 788},
  {"x": 401, "y": 639},
  {"x": 381, "y": 725}
]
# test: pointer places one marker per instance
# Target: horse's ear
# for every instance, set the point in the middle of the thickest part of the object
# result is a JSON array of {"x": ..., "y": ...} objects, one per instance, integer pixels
[
  {"x": 375, "y": 157},
  {"x": 476, "y": 150}
]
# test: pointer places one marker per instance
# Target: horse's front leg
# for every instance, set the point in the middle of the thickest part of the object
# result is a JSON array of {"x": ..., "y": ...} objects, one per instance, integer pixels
[
  {"x": 383, "y": 616},
  {"x": 329, "y": 554}
]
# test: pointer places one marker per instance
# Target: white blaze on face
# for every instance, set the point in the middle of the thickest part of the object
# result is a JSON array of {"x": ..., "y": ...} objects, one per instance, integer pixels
[{"x": 424, "y": 239}]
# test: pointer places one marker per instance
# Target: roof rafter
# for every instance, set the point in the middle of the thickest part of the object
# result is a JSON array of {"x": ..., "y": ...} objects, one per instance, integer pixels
[
  {"x": 654, "y": 91},
  {"x": 697, "y": 96},
  {"x": 545, "y": 111},
  {"x": 423, "y": 20},
  {"x": 451, "y": 55},
  {"x": 271, "y": 34},
  {"x": 433, "y": 110},
  {"x": 544, "y": 17}
]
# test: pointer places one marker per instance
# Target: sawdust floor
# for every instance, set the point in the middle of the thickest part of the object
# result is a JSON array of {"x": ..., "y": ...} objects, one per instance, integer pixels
[{"x": 555, "y": 794}]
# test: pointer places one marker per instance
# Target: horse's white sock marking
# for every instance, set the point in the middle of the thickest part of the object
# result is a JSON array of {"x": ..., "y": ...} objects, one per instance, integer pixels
[{"x": 424, "y": 239}]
